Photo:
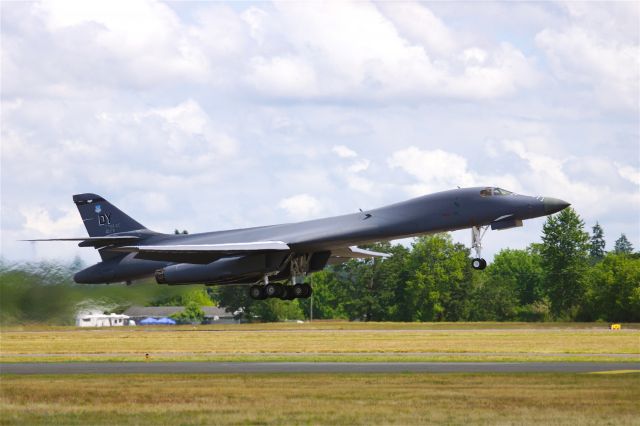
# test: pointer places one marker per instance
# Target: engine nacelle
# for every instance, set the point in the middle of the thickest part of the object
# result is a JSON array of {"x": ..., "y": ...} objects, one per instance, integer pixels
[
  {"x": 118, "y": 268},
  {"x": 227, "y": 269}
]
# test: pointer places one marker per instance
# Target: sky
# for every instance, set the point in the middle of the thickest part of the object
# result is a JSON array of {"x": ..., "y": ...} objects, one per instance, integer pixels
[{"x": 206, "y": 115}]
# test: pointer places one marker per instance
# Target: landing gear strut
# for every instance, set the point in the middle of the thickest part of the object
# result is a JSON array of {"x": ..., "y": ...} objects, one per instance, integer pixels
[{"x": 477, "y": 232}]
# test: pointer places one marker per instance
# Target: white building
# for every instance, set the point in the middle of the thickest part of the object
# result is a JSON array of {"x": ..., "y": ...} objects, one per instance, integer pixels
[{"x": 98, "y": 319}]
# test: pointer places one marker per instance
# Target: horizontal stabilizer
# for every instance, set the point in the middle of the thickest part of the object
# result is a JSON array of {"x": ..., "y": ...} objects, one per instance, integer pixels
[
  {"x": 201, "y": 253},
  {"x": 96, "y": 241}
]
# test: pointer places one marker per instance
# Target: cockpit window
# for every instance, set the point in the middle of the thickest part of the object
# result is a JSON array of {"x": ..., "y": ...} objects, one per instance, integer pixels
[
  {"x": 500, "y": 191},
  {"x": 488, "y": 192}
]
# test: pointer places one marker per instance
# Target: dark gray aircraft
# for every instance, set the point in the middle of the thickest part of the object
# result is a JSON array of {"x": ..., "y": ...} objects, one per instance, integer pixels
[{"x": 264, "y": 255}]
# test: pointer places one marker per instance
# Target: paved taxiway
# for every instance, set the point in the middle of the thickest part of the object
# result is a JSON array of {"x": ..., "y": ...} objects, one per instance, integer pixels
[{"x": 309, "y": 367}]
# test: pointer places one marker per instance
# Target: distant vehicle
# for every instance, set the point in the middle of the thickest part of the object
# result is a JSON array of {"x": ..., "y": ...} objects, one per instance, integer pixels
[
  {"x": 266, "y": 255},
  {"x": 102, "y": 320}
]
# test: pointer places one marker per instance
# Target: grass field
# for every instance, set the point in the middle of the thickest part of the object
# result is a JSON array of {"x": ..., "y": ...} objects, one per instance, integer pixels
[
  {"x": 322, "y": 399},
  {"x": 331, "y": 341}
]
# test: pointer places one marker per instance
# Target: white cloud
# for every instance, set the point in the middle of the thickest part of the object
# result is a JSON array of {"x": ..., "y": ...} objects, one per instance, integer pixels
[
  {"x": 360, "y": 183},
  {"x": 344, "y": 151},
  {"x": 91, "y": 46},
  {"x": 629, "y": 173},
  {"x": 359, "y": 166},
  {"x": 593, "y": 52},
  {"x": 202, "y": 115},
  {"x": 190, "y": 126},
  {"x": 39, "y": 220},
  {"x": 301, "y": 206},
  {"x": 286, "y": 76},
  {"x": 420, "y": 25},
  {"x": 548, "y": 177},
  {"x": 352, "y": 173},
  {"x": 366, "y": 55},
  {"x": 435, "y": 169}
]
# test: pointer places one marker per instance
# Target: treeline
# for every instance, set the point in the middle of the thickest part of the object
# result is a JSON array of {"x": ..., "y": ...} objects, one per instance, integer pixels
[
  {"x": 569, "y": 277},
  {"x": 45, "y": 293}
]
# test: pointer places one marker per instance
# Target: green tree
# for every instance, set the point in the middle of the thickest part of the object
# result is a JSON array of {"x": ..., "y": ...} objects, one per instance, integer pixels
[
  {"x": 236, "y": 298},
  {"x": 494, "y": 298},
  {"x": 510, "y": 288},
  {"x": 524, "y": 269},
  {"x": 327, "y": 296},
  {"x": 370, "y": 288},
  {"x": 273, "y": 310},
  {"x": 564, "y": 250},
  {"x": 195, "y": 293},
  {"x": 597, "y": 245},
  {"x": 614, "y": 289},
  {"x": 45, "y": 292},
  {"x": 192, "y": 314},
  {"x": 623, "y": 245},
  {"x": 439, "y": 285}
]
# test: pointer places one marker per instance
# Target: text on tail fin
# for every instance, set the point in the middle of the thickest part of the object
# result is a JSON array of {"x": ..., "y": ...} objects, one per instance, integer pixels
[{"x": 102, "y": 218}]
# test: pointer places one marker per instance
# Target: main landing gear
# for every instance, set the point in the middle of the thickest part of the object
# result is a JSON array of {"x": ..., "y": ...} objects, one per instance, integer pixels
[
  {"x": 477, "y": 232},
  {"x": 283, "y": 292}
]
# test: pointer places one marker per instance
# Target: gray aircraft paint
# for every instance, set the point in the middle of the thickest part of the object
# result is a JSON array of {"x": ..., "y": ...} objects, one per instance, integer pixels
[{"x": 188, "y": 257}]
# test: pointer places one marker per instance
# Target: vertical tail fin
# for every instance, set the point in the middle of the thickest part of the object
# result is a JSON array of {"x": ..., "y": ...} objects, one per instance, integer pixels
[{"x": 102, "y": 218}]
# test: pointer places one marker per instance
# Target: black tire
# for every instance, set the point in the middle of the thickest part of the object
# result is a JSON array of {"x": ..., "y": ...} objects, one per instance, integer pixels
[
  {"x": 308, "y": 291},
  {"x": 478, "y": 264},
  {"x": 273, "y": 290},
  {"x": 299, "y": 291},
  {"x": 256, "y": 292},
  {"x": 289, "y": 293}
]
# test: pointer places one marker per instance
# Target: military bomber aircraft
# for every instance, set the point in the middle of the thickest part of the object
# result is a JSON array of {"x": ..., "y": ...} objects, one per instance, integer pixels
[{"x": 266, "y": 256}]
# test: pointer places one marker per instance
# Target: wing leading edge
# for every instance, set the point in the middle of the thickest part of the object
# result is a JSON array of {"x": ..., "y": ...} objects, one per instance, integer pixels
[{"x": 96, "y": 241}]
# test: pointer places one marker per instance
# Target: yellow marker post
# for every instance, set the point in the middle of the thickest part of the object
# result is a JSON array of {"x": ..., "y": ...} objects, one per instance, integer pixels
[{"x": 615, "y": 327}]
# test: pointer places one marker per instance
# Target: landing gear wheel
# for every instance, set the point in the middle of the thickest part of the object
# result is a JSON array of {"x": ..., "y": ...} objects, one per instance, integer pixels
[
  {"x": 308, "y": 291},
  {"x": 257, "y": 292},
  {"x": 289, "y": 293},
  {"x": 299, "y": 291},
  {"x": 478, "y": 264},
  {"x": 274, "y": 290}
]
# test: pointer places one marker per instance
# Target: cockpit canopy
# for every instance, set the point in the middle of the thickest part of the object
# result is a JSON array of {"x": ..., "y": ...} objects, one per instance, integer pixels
[{"x": 494, "y": 191}]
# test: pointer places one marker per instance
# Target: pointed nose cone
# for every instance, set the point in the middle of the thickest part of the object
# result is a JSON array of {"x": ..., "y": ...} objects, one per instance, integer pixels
[{"x": 554, "y": 205}]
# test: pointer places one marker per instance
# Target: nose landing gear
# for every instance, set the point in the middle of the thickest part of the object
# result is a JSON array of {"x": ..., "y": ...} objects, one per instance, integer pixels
[{"x": 477, "y": 232}]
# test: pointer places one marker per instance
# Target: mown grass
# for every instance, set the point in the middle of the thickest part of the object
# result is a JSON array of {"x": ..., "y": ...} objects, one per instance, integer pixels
[
  {"x": 355, "y": 325},
  {"x": 337, "y": 342},
  {"x": 321, "y": 399}
]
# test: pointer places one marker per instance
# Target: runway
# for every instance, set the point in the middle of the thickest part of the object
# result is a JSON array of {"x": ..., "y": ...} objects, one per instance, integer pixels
[{"x": 310, "y": 367}]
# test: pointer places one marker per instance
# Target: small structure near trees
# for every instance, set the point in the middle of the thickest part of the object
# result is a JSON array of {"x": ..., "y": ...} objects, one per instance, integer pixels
[
  {"x": 99, "y": 319},
  {"x": 210, "y": 314}
]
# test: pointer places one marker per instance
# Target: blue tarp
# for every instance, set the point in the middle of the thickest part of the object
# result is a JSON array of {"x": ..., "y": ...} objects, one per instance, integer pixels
[{"x": 163, "y": 321}]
